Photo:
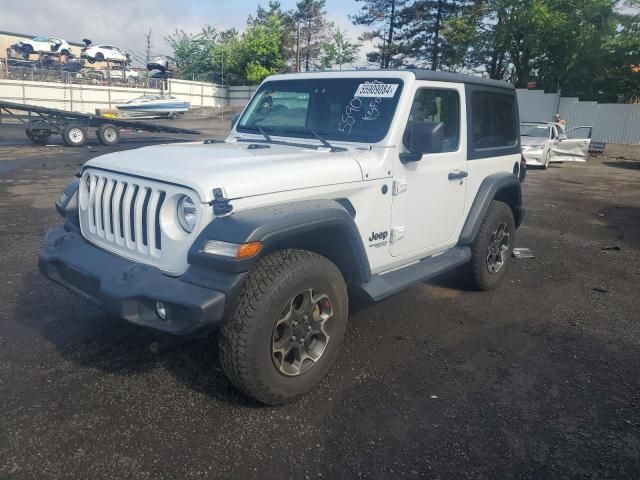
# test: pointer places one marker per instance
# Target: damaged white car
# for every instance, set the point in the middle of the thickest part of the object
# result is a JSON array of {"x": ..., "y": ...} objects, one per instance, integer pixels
[{"x": 544, "y": 143}]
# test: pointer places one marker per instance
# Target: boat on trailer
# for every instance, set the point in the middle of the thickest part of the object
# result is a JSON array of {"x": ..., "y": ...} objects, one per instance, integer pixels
[{"x": 154, "y": 106}]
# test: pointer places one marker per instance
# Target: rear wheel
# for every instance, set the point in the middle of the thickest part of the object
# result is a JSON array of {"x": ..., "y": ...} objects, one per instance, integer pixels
[
  {"x": 288, "y": 325},
  {"x": 108, "y": 134},
  {"x": 38, "y": 136},
  {"x": 99, "y": 57},
  {"x": 74, "y": 135},
  {"x": 491, "y": 250}
]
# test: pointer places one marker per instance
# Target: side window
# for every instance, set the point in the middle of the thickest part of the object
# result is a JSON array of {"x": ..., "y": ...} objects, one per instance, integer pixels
[
  {"x": 436, "y": 106},
  {"x": 579, "y": 133},
  {"x": 494, "y": 120}
]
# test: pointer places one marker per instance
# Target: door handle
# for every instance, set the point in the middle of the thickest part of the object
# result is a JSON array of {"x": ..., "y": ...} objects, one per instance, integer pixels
[{"x": 458, "y": 175}]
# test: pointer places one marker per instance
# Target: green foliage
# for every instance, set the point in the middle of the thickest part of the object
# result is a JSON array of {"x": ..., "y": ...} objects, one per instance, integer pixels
[
  {"x": 192, "y": 52},
  {"x": 338, "y": 51},
  {"x": 312, "y": 31},
  {"x": 381, "y": 16},
  {"x": 252, "y": 56},
  {"x": 584, "y": 47}
]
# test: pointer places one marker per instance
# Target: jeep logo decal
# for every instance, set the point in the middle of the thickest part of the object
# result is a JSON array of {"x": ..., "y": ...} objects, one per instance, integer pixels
[
  {"x": 378, "y": 239},
  {"x": 378, "y": 236}
]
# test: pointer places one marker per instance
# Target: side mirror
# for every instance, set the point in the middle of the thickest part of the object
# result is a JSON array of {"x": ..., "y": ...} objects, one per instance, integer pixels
[
  {"x": 562, "y": 137},
  {"x": 425, "y": 137},
  {"x": 235, "y": 118}
]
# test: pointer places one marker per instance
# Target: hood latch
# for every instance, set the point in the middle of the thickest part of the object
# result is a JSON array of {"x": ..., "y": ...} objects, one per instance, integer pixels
[{"x": 220, "y": 204}]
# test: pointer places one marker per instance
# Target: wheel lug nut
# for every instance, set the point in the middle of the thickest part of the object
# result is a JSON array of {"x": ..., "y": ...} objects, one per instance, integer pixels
[{"x": 293, "y": 338}]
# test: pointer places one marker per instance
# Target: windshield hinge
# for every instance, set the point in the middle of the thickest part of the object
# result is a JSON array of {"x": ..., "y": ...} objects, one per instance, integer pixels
[
  {"x": 397, "y": 234},
  {"x": 399, "y": 186}
]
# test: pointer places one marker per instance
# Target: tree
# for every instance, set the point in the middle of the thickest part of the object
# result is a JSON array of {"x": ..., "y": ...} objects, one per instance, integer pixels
[
  {"x": 584, "y": 47},
  {"x": 252, "y": 56},
  {"x": 193, "y": 52},
  {"x": 381, "y": 15},
  {"x": 312, "y": 28},
  {"x": 287, "y": 30},
  {"x": 338, "y": 51},
  {"x": 421, "y": 36}
]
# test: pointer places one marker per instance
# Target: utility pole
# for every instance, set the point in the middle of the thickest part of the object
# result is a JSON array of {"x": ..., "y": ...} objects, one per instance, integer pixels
[
  {"x": 147, "y": 37},
  {"x": 222, "y": 88},
  {"x": 298, "y": 47}
]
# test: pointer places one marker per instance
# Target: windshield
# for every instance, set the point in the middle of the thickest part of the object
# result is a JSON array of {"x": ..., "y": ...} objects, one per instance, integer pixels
[
  {"x": 346, "y": 109},
  {"x": 543, "y": 131}
]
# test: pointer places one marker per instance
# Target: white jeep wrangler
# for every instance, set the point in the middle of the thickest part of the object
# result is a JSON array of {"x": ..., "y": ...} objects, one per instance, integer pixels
[{"x": 368, "y": 181}]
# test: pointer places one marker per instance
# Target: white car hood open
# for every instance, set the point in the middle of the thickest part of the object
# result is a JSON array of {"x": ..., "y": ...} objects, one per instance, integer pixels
[{"x": 241, "y": 170}]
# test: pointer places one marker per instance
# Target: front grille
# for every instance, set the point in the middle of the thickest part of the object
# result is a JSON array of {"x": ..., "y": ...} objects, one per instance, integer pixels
[{"x": 124, "y": 212}]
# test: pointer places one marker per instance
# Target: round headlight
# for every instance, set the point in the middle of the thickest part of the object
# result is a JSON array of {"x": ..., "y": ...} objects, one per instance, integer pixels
[{"x": 187, "y": 213}]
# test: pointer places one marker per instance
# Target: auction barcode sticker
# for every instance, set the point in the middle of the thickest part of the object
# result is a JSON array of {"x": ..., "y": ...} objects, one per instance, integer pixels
[{"x": 382, "y": 90}]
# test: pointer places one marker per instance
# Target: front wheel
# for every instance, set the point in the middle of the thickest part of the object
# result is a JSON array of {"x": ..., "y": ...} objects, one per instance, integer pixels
[
  {"x": 74, "y": 135},
  {"x": 547, "y": 161},
  {"x": 491, "y": 250},
  {"x": 287, "y": 327}
]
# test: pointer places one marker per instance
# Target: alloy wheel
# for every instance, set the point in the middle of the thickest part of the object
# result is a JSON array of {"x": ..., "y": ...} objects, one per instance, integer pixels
[
  {"x": 300, "y": 336},
  {"x": 498, "y": 248}
]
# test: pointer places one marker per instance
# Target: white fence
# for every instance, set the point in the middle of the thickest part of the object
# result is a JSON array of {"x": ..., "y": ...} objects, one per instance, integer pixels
[
  {"x": 612, "y": 122},
  {"x": 86, "y": 98}
]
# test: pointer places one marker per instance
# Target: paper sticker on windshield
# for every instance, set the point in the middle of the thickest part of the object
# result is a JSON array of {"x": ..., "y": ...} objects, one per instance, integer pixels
[{"x": 380, "y": 90}]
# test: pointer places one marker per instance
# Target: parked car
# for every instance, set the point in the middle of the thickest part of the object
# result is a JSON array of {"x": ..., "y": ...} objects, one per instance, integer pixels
[
  {"x": 375, "y": 180},
  {"x": 162, "y": 63},
  {"x": 101, "y": 53},
  {"x": 544, "y": 143},
  {"x": 43, "y": 44}
]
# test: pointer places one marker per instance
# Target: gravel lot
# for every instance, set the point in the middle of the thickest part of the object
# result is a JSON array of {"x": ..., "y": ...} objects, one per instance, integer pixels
[{"x": 538, "y": 379}]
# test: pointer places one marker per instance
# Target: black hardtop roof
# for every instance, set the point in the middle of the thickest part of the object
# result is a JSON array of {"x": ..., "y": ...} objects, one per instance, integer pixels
[{"x": 459, "y": 78}]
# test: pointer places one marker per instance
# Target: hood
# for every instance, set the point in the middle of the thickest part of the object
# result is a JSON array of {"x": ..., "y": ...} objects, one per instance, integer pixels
[
  {"x": 526, "y": 141},
  {"x": 239, "y": 169}
]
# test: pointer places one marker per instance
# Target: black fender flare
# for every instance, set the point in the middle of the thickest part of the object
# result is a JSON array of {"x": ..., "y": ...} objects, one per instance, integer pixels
[
  {"x": 287, "y": 225},
  {"x": 504, "y": 186}
]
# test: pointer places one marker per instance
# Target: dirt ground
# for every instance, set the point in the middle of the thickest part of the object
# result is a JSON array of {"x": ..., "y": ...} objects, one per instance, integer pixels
[{"x": 537, "y": 379}]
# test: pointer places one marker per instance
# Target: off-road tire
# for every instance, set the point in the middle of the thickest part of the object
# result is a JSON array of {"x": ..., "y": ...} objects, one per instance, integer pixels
[
  {"x": 71, "y": 135},
  {"x": 38, "y": 136},
  {"x": 245, "y": 340},
  {"x": 108, "y": 134},
  {"x": 476, "y": 272}
]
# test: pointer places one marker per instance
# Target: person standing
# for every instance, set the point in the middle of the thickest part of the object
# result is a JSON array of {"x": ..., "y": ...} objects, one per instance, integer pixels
[{"x": 560, "y": 122}]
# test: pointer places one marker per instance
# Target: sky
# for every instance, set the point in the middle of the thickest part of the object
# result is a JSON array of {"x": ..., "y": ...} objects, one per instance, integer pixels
[{"x": 124, "y": 22}]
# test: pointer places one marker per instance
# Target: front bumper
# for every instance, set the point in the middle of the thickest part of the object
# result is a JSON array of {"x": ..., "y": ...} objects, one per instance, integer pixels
[
  {"x": 127, "y": 289},
  {"x": 534, "y": 157}
]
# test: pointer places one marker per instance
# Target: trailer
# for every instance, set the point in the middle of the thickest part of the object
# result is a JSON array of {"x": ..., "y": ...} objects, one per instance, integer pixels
[{"x": 42, "y": 122}]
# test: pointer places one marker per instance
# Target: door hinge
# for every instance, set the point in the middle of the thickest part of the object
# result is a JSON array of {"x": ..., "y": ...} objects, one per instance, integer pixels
[
  {"x": 399, "y": 186},
  {"x": 397, "y": 234}
]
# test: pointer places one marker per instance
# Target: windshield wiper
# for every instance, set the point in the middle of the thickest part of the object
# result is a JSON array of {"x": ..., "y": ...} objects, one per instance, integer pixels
[
  {"x": 322, "y": 140},
  {"x": 261, "y": 131}
]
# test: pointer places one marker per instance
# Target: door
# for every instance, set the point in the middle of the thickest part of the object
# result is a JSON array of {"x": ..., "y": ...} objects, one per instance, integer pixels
[
  {"x": 429, "y": 194},
  {"x": 572, "y": 145}
]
